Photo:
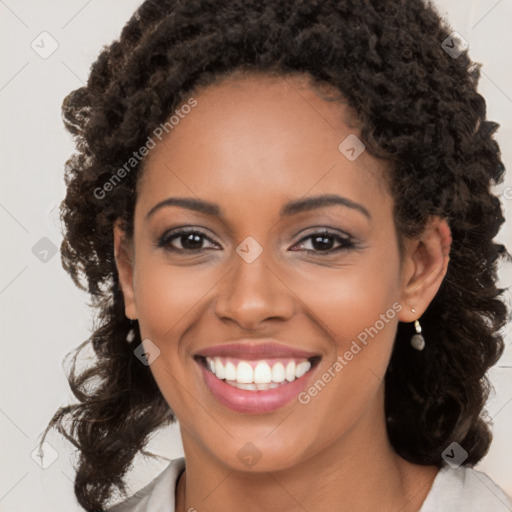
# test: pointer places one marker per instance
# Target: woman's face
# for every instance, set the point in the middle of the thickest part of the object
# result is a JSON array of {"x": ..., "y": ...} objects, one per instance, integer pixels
[{"x": 269, "y": 271}]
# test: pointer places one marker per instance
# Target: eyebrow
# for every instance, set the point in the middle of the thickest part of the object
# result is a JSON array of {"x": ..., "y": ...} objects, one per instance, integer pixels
[
  {"x": 290, "y": 208},
  {"x": 310, "y": 203}
]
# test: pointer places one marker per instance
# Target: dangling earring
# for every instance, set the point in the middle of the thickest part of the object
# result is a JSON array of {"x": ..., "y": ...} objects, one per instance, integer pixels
[
  {"x": 131, "y": 333},
  {"x": 417, "y": 340}
]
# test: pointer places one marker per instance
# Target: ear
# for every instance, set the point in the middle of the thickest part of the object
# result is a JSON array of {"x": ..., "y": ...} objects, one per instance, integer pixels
[
  {"x": 424, "y": 267},
  {"x": 123, "y": 252}
]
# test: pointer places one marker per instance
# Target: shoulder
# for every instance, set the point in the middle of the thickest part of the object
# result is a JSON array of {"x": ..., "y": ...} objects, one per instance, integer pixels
[
  {"x": 158, "y": 495},
  {"x": 465, "y": 489}
]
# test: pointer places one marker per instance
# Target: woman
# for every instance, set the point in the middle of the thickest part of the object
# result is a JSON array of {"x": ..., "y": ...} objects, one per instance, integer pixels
[{"x": 282, "y": 213}]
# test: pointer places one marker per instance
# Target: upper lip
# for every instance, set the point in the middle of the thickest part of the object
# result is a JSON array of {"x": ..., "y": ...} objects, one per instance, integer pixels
[{"x": 251, "y": 350}]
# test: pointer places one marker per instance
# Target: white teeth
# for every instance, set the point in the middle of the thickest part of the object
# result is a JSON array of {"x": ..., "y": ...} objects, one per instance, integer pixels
[
  {"x": 219, "y": 369},
  {"x": 265, "y": 375},
  {"x": 278, "y": 374},
  {"x": 290, "y": 371},
  {"x": 244, "y": 373},
  {"x": 230, "y": 371},
  {"x": 253, "y": 387},
  {"x": 239, "y": 385},
  {"x": 302, "y": 368},
  {"x": 262, "y": 373}
]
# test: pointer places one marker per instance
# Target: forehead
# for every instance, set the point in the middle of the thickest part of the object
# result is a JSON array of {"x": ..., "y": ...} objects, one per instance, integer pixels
[{"x": 261, "y": 137}]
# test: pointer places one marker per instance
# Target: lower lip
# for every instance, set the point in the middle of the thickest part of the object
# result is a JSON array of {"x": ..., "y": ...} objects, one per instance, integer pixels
[{"x": 255, "y": 402}]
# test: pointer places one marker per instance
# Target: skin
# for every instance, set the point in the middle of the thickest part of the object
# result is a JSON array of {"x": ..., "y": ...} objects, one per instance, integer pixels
[{"x": 253, "y": 143}]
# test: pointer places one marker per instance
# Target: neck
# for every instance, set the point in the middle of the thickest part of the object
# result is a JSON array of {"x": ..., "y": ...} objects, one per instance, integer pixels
[{"x": 359, "y": 471}]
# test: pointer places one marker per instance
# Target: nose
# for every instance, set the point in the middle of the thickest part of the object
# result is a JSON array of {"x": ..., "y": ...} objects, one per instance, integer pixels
[{"x": 253, "y": 293}]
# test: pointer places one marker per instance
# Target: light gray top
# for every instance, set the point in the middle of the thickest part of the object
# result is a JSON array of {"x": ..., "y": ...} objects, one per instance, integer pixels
[{"x": 453, "y": 490}]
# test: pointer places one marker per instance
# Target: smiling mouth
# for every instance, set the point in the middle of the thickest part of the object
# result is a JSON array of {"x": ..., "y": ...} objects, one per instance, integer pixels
[{"x": 257, "y": 375}]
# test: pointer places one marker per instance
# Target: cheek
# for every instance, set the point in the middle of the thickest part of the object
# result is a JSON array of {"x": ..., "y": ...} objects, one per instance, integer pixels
[
  {"x": 350, "y": 301},
  {"x": 358, "y": 310},
  {"x": 165, "y": 295}
]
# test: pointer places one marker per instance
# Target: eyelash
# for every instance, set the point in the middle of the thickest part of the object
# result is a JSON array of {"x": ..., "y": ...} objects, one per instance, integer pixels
[{"x": 346, "y": 242}]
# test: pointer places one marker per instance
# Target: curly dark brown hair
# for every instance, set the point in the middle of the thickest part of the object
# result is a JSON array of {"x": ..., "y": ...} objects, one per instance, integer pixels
[{"x": 418, "y": 108}]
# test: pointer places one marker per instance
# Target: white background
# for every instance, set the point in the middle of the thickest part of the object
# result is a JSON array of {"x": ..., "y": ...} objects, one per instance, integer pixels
[{"x": 43, "y": 315}]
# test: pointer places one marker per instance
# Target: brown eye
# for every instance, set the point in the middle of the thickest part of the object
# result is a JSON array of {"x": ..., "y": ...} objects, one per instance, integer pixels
[
  {"x": 325, "y": 242},
  {"x": 185, "y": 241}
]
